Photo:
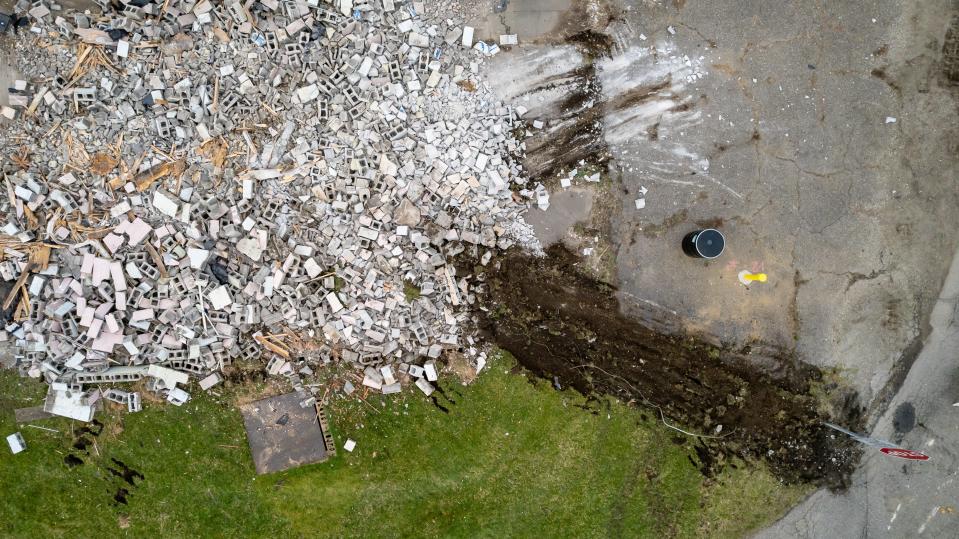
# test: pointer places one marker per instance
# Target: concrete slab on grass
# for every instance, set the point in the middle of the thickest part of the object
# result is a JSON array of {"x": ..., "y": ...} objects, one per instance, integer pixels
[{"x": 282, "y": 434}]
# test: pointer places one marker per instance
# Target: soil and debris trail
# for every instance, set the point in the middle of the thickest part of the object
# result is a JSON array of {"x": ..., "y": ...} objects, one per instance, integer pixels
[
  {"x": 576, "y": 135},
  {"x": 561, "y": 324}
]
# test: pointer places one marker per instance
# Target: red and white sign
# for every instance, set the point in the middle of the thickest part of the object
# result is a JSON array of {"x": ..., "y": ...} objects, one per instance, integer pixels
[
  {"x": 883, "y": 446},
  {"x": 904, "y": 453}
]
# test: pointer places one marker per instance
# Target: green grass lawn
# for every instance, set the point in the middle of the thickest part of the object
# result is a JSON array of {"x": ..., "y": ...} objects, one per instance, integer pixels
[{"x": 511, "y": 458}]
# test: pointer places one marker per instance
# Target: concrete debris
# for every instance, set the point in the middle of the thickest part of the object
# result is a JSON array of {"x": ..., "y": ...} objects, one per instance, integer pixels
[
  {"x": 16, "y": 443},
  {"x": 212, "y": 182},
  {"x": 70, "y": 401},
  {"x": 130, "y": 399}
]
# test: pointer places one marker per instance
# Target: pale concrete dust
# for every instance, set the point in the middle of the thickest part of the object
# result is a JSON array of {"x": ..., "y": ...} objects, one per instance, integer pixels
[{"x": 566, "y": 208}]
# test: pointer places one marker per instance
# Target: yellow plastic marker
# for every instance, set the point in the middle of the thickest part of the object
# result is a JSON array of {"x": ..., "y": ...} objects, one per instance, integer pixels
[{"x": 746, "y": 277}]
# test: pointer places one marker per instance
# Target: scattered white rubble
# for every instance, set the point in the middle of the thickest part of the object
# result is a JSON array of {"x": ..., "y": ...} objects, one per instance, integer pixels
[{"x": 219, "y": 182}]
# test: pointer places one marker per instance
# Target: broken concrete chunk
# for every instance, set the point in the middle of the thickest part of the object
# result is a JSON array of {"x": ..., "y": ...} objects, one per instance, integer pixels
[
  {"x": 263, "y": 195},
  {"x": 178, "y": 397},
  {"x": 407, "y": 213},
  {"x": 210, "y": 381},
  {"x": 429, "y": 368},
  {"x": 424, "y": 386},
  {"x": 220, "y": 297},
  {"x": 164, "y": 204},
  {"x": 16, "y": 443}
]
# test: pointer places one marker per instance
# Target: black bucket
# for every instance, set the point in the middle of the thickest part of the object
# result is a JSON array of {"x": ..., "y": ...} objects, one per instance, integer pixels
[{"x": 708, "y": 243}]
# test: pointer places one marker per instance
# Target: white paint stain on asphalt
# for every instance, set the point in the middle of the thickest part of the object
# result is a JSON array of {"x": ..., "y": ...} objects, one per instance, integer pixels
[
  {"x": 894, "y": 515},
  {"x": 932, "y": 514}
]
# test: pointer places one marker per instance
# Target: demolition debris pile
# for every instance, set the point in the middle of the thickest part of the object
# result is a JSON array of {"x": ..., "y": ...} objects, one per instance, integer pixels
[{"x": 195, "y": 183}]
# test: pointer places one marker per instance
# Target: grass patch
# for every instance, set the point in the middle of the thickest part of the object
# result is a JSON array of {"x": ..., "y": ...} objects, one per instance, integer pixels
[
  {"x": 513, "y": 457},
  {"x": 744, "y": 499},
  {"x": 194, "y": 459},
  {"x": 411, "y": 291}
]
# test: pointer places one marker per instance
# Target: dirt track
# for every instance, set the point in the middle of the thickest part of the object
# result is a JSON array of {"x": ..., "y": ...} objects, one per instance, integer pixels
[{"x": 566, "y": 327}]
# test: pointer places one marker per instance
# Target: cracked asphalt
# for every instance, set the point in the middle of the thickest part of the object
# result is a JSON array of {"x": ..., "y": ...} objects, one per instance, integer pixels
[
  {"x": 890, "y": 497},
  {"x": 831, "y": 135},
  {"x": 852, "y": 215},
  {"x": 822, "y": 141}
]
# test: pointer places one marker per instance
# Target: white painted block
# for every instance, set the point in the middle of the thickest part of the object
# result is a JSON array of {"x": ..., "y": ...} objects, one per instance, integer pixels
[
  {"x": 220, "y": 297},
  {"x": 164, "y": 204}
]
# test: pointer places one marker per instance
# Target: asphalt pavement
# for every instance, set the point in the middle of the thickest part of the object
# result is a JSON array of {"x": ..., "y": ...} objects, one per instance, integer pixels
[
  {"x": 892, "y": 497},
  {"x": 820, "y": 138}
]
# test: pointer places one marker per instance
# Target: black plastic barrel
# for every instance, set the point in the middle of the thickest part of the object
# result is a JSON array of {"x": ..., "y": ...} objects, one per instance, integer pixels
[{"x": 707, "y": 243}]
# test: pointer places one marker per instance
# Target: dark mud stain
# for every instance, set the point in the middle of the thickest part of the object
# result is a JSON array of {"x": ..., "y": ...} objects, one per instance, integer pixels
[
  {"x": 576, "y": 138},
  {"x": 855, "y": 277},
  {"x": 950, "y": 53},
  {"x": 706, "y": 459},
  {"x": 652, "y": 231},
  {"x": 81, "y": 443},
  {"x": 72, "y": 461},
  {"x": 121, "y": 495},
  {"x": 237, "y": 375},
  {"x": 93, "y": 428},
  {"x": 880, "y": 73},
  {"x": 892, "y": 318},
  {"x": 721, "y": 147},
  {"x": 83, "y": 438},
  {"x": 595, "y": 44},
  {"x": 125, "y": 472},
  {"x": 652, "y": 132},
  {"x": 637, "y": 96},
  {"x": 904, "y": 418},
  {"x": 715, "y": 222},
  {"x": 560, "y": 323},
  {"x": 581, "y": 18}
]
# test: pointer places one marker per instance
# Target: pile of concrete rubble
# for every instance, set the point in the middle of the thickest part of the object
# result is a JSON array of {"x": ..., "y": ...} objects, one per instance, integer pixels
[{"x": 194, "y": 183}]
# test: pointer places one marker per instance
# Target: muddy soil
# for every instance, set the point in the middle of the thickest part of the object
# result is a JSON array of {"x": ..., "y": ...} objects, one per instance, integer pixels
[
  {"x": 755, "y": 402},
  {"x": 576, "y": 135}
]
